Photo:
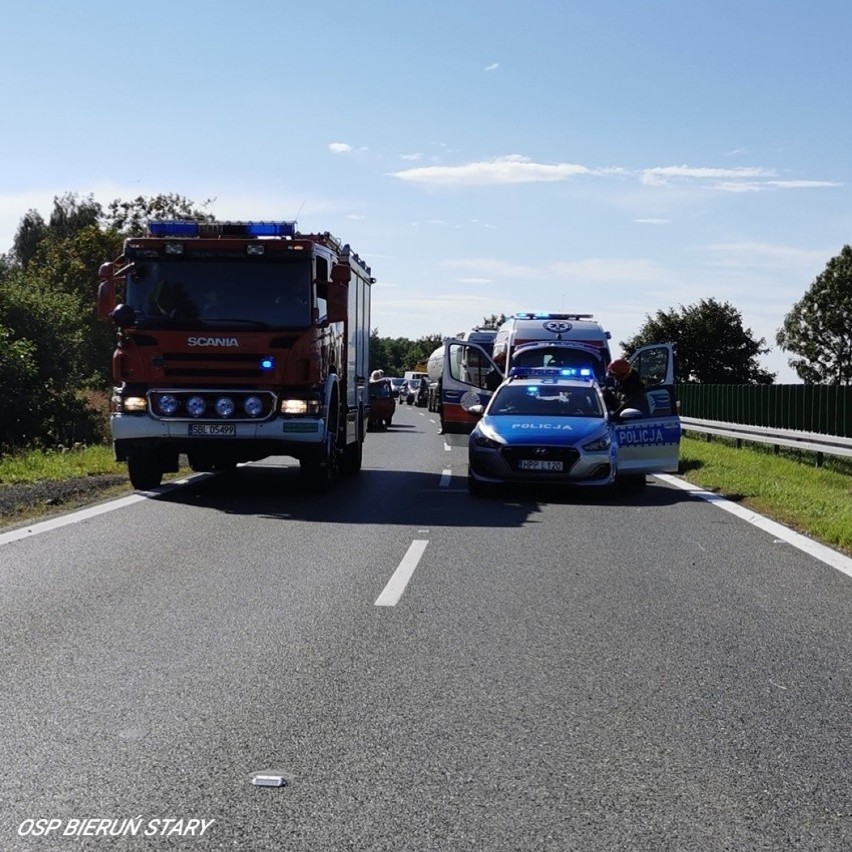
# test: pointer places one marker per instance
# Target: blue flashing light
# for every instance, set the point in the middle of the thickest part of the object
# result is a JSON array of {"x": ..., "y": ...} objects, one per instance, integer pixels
[
  {"x": 267, "y": 363},
  {"x": 552, "y": 372},
  {"x": 271, "y": 229},
  {"x": 173, "y": 229}
]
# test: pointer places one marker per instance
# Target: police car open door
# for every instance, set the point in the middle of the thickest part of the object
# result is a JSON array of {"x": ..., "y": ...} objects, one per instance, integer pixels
[
  {"x": 650, "y": 442},
  {"x": 468, "y": 377}
]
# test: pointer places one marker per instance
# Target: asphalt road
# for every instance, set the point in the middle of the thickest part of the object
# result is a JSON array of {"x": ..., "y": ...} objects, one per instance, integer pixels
[{"x": 426, "y": 670}]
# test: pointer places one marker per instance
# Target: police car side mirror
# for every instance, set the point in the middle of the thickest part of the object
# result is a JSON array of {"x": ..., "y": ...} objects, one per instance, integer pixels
[
  {"x": 630, "y": 414},
  {"x": 476, "y": 410}
]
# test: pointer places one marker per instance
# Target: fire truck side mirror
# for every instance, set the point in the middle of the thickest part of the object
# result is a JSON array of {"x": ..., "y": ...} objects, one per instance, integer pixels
[
  {"x": 106, "y": 290},
  {"x": 340, "y": 274},
  {"x": 124, "y": 316},
  {"x": 338, "y": 302}
]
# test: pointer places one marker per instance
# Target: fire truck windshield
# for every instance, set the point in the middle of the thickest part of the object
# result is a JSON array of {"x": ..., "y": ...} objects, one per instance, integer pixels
[{"x": 217, "y": 293}]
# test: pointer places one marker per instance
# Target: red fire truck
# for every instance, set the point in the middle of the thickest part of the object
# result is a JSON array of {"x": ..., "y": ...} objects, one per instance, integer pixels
[{"x": 238, "y": 341}]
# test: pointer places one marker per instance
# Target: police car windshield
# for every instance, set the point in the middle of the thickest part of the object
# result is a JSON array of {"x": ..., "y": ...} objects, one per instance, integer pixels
[{"x": 545, "y": 400}]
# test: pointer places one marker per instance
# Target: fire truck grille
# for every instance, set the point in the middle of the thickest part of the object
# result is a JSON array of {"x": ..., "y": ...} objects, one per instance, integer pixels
[{"x": 177, "y": 365}]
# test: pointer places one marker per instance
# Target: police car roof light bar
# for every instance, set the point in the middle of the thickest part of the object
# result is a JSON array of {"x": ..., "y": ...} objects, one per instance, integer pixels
[{"x": 552, "y": 372}]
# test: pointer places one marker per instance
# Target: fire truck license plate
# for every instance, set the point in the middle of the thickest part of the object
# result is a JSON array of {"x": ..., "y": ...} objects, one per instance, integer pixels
[
  {"x": 532, "y": 464},
  {"x": 218, "y": 430}
]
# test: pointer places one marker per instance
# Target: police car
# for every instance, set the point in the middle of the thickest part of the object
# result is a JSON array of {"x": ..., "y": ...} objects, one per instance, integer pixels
[
  {"x": 543, "y": 425},
  {"x": 551, "y": 425}
]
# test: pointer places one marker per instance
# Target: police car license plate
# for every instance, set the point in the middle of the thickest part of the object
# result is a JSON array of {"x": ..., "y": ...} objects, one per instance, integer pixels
[
  {"x": 535, "y": 464},
  {"x": 218, "y": 430}
]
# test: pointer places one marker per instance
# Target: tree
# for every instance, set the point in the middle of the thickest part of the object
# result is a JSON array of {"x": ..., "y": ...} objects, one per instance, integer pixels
[
  {"x": 494, "y": 321},
  {"x": 31, "y": 231},
  {"x": 131, "y": 218},
  {"x": 421, "y": 349},
  {"x": 712, "y": 345},
  {"x": 70, "y": 215},
  {"x": 45, "y": 344},
  {"x": 818, "y": 328},
  {"x": 395, "y": 355}
]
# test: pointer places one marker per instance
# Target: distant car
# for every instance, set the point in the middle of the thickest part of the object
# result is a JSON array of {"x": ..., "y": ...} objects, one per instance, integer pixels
[
  {"x": 542, "y": 428},
  {"x": 421, "y": 395},
  {"x": 396, "y": 383},
  {"x": 408, "y": 392},
  {"x": 382, "y": 404}
]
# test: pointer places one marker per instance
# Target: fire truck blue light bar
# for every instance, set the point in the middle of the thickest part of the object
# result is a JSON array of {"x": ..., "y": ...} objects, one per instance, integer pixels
[
  {"x": 222, "y": 229},
  {"x": 173, "y": 229}
]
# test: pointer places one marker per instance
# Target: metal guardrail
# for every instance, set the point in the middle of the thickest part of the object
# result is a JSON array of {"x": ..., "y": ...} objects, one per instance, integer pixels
[{"x": 814, "y": 442}]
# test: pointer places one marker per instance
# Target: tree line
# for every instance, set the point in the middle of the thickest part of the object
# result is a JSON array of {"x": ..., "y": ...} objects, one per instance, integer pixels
[{"x": 55, "y": 353}]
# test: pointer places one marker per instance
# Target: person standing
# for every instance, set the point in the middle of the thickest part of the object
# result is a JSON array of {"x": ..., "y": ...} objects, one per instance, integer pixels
[{"x": 629, "y": 390}]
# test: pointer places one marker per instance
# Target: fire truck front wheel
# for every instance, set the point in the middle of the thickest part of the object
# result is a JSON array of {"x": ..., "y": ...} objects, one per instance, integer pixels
[
  {"x": 318, "y": 470},
  {"x": 352, "y": 458},
  {"x": 145, "y": 469}
]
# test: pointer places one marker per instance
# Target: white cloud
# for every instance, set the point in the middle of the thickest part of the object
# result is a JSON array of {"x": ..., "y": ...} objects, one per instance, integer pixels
[
  {"x": 517, "y": 169},
  {"x": 340, "y": 148},
  {"x": 652, "y": 221},
  {"x": 800, "y": 184},
  {"x": 492, "y": 67},
  {"x": 511, "y": 169},
  {"x": 663, "y": 174}
]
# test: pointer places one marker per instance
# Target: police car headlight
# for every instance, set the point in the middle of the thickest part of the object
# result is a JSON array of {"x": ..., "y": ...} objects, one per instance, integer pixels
[
  {"x": 602, "y": 443},
  {"x": 487, "y": 439}
]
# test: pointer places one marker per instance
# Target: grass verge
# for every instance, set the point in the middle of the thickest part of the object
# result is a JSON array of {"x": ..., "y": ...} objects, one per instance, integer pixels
[
  {"x": 54, "y": 465},
  {"x": 787, "y": 486},
  {"x": 42, "y": 482}
]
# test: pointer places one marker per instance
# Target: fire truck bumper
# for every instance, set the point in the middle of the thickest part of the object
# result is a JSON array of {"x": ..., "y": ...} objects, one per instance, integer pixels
[{"x": 291, "y": 436}]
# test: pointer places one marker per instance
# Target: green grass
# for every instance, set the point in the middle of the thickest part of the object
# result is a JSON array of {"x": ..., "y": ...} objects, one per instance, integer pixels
[
  {"x": 787, "y": 487},
  {"x": 52, "y": 465}
]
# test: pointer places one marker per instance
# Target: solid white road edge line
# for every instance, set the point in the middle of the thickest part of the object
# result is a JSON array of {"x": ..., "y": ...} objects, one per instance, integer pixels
[
  {"x": 813, "y": 548},
  {"x": 93, "y": 511},
  {"x": 399, "y": 580}
]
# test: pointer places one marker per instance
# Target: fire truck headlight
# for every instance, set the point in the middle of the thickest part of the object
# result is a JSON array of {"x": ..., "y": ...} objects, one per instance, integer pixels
[
  {"x": 196, "y": 406},
  {"x": 294, "y": 406},
  {"x": 167, "y": 404},
  {"x": 301, "y": 407},
  {"x": 224, "y": 406},
  {"x": 253, "y": 406},
  {"x": 134, "y": 404}
]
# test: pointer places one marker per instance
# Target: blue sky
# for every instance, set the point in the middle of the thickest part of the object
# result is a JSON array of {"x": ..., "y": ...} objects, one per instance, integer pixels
[{"x": 483, "y": 156}]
